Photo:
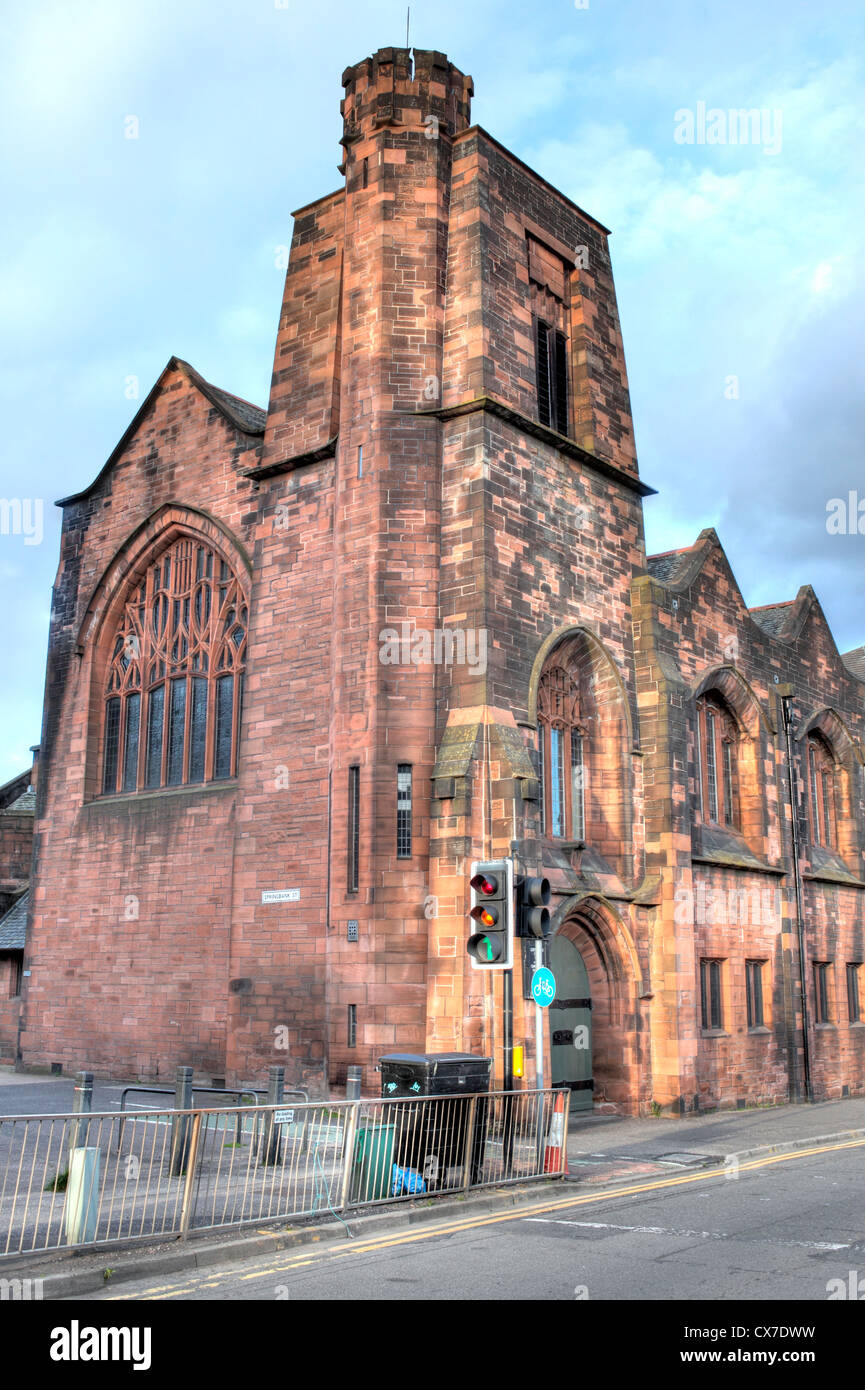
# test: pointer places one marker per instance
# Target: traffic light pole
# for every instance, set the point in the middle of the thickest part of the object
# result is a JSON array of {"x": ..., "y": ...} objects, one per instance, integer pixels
[
  {"x": 508, "y": 1100},
  {"x": 508, "y": 1028},
  {"x": 539, "y": 1024}
]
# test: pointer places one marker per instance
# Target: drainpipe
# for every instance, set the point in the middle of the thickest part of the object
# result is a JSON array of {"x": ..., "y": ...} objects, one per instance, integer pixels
[{"x": 787, "y": 707}]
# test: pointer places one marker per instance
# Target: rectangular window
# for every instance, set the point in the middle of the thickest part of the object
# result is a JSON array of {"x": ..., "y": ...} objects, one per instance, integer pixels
[
  {"x": 710, "y": 994},
  {"x": 815, "y": 811},
  {"x": 352, "y": 1025},
  {"x": 542, "y": 349},
  {"x": 112, "y": 745},
  {"x": 557, "y": 783},
  {"x": 155, "y": 719},
  {"x": 176, "y": 728},
  {"x": 16, "y": 974},
  {"x": 360, "y": 460},
  {"x": 551, "y": 349},
  {"x": 821, "y": 992},
  {"x": 223, "y": 741},
  {"x": 828, "y": 837},
  {"x": 711, "y": 767},
  {"x": 729, "y": 817},
  {"x": 578, "y": 816},
  {"x": 353, "y": 828},
  {"x": 197, "y": 729},
  {"x": 853, "y": 993},
  {"x": 754, "y": 987},
  {"x": 130, "y": 743},
  {"x": 403, "y": 811}
]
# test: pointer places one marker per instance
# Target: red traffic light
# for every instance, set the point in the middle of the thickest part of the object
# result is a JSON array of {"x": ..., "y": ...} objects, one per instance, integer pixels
[{"x": 487, "y": 884}]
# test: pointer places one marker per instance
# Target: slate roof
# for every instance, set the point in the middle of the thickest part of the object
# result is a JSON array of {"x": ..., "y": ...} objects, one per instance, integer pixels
[
  {"x": 13, "y": 790},
  {"x": 855, "y": 662},
  {"x": 248, "y": 417},
  {"x": 23, "y": 804},
  {"x": 772, "y": 617},
  {"x": 666, "y": 566},
  {"x": 14, "y": 924}
]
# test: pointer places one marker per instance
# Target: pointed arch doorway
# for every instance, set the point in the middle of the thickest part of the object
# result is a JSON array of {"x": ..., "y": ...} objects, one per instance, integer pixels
[{"x": 571, "y": 1024}]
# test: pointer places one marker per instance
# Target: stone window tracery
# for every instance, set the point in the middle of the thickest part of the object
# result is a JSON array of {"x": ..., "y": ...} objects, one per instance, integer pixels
[
  {"x": 174, "y": 685},
  {"x": 563, "y": 750},
  {"x": 719, "y": 737},
  {"x": 821, "y": 784}
]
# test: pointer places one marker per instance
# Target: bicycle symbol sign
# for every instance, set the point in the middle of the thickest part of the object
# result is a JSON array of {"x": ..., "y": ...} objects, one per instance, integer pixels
[{"x": 543, "y": 987}]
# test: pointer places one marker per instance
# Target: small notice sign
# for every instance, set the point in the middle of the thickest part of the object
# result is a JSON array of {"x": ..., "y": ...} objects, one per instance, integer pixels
[
  {"x": 280, "y": 895},
  {"x": 283, "y": 1117}
]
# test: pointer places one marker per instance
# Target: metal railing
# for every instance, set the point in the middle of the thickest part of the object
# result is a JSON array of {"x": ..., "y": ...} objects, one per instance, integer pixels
[{"x": 66, "y": 1181}]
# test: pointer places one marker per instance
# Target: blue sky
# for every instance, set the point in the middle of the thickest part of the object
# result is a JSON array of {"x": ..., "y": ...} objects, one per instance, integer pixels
[{"x": 731, "y": 261}]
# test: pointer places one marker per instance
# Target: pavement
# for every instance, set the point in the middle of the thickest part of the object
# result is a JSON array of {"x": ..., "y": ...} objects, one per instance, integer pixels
[
  {"x": 604, "y": 1151},
  {"x": 613, "y": 1148}
]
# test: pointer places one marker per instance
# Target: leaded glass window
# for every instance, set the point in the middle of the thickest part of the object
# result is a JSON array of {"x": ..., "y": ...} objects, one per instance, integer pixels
[{"x": 174, "y": 685}]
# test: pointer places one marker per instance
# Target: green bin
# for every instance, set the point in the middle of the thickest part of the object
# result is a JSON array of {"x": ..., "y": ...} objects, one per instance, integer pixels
[{"x": 372, "y": 1177}]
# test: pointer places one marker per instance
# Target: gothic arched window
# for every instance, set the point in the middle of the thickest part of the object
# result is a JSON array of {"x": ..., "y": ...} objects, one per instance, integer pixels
[
  {"x": 719, "y": 737},
  {"x": 821, "y": 783},
  {"x": 174, "y": 684},
  {"x": 562, "y": 744}
]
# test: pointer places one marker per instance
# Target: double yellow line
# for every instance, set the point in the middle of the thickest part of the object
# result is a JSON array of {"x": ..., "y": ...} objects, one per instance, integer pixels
[{"x": 471, "y": 1223}]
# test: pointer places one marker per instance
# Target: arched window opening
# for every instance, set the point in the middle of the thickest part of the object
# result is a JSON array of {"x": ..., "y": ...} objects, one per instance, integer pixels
[
  {"x": 563, "y": 755},
  {"x": 821, "y": 782},
  {"x": 719, "y": 771},
  {"x": 174, "y": 685}
]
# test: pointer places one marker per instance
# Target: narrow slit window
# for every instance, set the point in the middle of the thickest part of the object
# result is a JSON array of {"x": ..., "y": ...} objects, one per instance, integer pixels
[
  {"x": 754, "y": 990},
  {"x": 853, "y": 1011},
  {"x": 155, "y": 718},
  {"x": 710, "y": 995},
  {"x": 130, "y": 743},
  {"x": 353, "y": 828},
  {"x": 821, "y": 992},
  {"x": 176, "y": 731},
  {"x": 223, "y": 737},
  {"x": 403, "y": 812},
  {"x": 112, "y": 746},
  {"x": 551, "y": 355}
]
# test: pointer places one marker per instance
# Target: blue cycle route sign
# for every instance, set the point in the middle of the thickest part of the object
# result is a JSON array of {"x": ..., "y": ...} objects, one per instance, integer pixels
[{"x": 543, "y": 987}]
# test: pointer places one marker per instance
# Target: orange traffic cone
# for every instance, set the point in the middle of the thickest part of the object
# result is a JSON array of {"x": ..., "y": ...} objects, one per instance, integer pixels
[{"x": 555, "y": 1153}]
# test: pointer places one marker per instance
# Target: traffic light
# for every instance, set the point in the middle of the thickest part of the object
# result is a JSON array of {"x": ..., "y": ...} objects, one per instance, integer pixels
[
  {"x": 533, "y": 917},
  {"x": 492, "y": 912}
]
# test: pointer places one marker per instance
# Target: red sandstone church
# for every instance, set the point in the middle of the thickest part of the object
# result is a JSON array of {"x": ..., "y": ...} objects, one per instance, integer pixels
[{"x": 307, "y": 663}]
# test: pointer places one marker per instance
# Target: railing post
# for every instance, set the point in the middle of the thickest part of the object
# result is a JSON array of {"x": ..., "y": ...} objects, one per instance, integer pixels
[
  {"x": 271, "y": 1140},
  {"x": 565, "y": 1139},
  {"x": 469, "y": 1152},
  {"x": 82, "y": 1104},
  {"x": 191, "y": 1163},
  {"x": 180, "y": 1124},
  {"x": 350, "y": 1132}
]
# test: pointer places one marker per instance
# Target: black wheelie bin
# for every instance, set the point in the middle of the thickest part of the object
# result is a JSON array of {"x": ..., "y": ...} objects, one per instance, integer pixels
[{"x": 431, "y": 1139}]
